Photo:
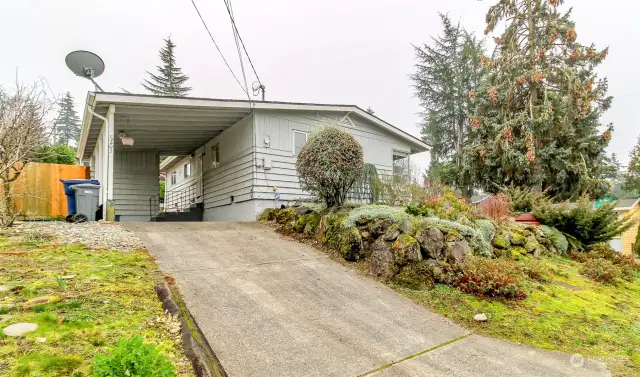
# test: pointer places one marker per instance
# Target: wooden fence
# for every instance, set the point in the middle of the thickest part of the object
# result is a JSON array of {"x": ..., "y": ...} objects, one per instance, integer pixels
[{"x": 39, "y": 194}]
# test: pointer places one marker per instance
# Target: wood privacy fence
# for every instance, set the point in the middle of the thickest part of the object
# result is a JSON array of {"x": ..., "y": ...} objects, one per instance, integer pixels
[{"x": 38, "y": 193}]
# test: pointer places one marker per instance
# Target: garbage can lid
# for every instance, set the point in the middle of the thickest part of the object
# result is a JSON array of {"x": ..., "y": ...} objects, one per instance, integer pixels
[{"x": 84, "y": 185}]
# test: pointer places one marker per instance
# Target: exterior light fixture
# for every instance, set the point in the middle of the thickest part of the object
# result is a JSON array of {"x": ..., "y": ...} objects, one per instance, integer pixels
[{"x": 125, "y": 138}]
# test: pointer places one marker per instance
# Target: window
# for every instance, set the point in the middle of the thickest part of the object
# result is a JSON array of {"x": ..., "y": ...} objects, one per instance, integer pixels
[
  {"x": 401, "y": 164},
  {"x": 172, "y": 178},
  {"x": 215, "y": 156},
  {"x": 299, "y": 140},
  {"x": 187, "y": 170}
]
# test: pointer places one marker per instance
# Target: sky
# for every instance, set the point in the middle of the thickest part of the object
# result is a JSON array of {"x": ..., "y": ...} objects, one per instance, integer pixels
[{"x": 331, "y": 51}]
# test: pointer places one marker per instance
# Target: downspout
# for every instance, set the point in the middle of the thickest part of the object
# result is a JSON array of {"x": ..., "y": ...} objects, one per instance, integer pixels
[{"x": 105, "y": 197}]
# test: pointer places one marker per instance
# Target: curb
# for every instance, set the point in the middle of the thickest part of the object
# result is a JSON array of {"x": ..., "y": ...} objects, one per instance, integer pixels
[{"x": 195, "y": 345}]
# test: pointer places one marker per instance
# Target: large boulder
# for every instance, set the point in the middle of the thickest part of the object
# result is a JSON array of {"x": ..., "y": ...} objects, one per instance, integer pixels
[
  {"x": 532, "y": 244},
  {"x": 303, "y": 210},
  {"x": 501, "y": 241},
  {"x": 381, "y": 261},
  {"x": 517, "y": 239},
  {"x": 391, "y": 234},
  {"x": 456, "y": 252},
  {"x": 379, "y": 227},
  {"x": 406, "y": 250},
  {"x": 351, "y": 244},
  {"x": 432, "y": 242}
]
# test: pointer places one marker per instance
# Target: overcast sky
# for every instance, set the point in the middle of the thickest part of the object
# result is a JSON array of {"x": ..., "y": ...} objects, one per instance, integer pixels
[{"x": 330, "y": 51}]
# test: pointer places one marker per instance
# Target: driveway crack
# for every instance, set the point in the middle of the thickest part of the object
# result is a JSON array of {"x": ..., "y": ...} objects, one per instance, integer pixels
[{"x": 389, "y": 365}]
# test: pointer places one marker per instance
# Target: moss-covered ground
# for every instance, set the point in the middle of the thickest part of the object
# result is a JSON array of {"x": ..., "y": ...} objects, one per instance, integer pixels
[
  {"x": 111, "y": 296},
  {"x": 573, "y": 314}
]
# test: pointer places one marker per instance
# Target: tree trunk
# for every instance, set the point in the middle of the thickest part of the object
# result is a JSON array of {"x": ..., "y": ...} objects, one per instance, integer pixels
[{"x": 7, "y": 215}]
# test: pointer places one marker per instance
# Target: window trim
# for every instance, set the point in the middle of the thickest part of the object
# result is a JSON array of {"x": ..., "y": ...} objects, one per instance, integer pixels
[
  {"x": 186, "y": 170},
  {"x": 173, "y": 178},
  {"x": 293, "y": 139},
  {"x": 401, "y": 154},
  {"x": 215, "y": 155}
]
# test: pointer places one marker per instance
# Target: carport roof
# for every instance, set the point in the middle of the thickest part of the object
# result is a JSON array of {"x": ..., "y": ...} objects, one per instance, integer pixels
[{"x": 179, "y": 125}]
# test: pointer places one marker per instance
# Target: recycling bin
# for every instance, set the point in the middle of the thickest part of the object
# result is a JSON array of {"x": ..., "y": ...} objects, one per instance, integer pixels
[
  {"x": 71, "y": 196},
  {"x": 87, "y": 199}
]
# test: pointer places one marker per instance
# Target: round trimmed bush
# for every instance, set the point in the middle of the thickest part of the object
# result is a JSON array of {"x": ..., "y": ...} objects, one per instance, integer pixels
[{"x": 329, "y": 164}]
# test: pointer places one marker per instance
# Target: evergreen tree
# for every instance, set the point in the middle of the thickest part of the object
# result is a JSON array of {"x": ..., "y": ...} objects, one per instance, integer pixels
[
  {"x": 170, "y": 81},
  {"x": 537, "y": 112},
  {"x": 67, "y": 124},
  {"x": 447, "y": 70},
  {"x": 631, "y": 180}
]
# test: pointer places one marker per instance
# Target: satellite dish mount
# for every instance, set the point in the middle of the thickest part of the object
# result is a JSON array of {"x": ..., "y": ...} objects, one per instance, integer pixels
[{"x": 86, "y": 64}]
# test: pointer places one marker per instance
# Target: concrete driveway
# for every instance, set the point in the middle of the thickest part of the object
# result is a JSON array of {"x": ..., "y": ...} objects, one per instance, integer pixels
[{"x": 274, "y": 307}]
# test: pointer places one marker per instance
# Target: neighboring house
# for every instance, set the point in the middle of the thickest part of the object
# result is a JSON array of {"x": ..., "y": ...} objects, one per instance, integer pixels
[
  {"x": 625, "y": 243},
  {"x": 231, "y": 154},
  {"x": 477, "y": 200}
]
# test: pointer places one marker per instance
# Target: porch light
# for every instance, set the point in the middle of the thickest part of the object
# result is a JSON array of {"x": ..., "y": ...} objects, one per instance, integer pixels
[{"x": 125, "y": 138}]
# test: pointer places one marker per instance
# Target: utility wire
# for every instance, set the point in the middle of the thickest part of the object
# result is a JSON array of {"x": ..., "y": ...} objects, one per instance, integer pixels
[
  {"x": 218, "y": 48},
  {"x": 233, "y": 22},
  {"x": 236, "y": 37}
]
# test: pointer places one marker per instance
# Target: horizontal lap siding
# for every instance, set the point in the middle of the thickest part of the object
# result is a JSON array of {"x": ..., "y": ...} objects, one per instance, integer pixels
[
  {"x": 135, "y": 180},
  {"x": 377, "y": 144},
  {"x": 234, "y": 174}
]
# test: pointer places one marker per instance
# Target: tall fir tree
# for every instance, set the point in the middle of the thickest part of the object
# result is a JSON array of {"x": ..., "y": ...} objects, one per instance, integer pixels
[
  {"x": 170, "y": 81},
  {"x": 537, "y": 112},
  {"x": 447, "y": 70},
  {"x": 631, "y": 179},
  {"x": 67, "y": 123}
]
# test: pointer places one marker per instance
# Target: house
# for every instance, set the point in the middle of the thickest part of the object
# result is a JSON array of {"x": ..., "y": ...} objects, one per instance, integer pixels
[
  {"x": 625, "y": 243},
  {"x": 232, "y": 158}
]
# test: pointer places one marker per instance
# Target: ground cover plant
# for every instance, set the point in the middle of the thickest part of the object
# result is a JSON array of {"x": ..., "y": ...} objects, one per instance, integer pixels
[{"x": 106, "y": 296}]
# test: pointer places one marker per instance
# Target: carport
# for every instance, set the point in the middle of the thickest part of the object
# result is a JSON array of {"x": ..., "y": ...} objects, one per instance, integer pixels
[{"x": 124, "y": 136}]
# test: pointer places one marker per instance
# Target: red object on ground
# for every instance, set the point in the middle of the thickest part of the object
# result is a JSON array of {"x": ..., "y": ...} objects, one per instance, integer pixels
[{"x": 528, "y": 219}]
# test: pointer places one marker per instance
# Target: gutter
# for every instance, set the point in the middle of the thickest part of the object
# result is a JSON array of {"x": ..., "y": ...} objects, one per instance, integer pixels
[{"x": 86, "y": 125}]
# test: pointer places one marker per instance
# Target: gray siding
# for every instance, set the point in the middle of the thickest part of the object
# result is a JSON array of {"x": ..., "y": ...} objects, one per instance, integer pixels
[
  {"x": 378, "y": 146},
  {"x": 135, "y": 180},
  {"x": 233, "y": 176}
]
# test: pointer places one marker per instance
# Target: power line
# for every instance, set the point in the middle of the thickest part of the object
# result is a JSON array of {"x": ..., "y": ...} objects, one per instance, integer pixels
[
  {"x": 233, "y": 22},
  {"x": 218, "y": 48},
  {"x": 236, "y": 37}
]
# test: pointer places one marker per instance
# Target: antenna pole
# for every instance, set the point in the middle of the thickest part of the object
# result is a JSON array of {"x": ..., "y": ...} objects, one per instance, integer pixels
[
  {"x": 263, "y": 90},
  {"x": 96, "y": 84}
]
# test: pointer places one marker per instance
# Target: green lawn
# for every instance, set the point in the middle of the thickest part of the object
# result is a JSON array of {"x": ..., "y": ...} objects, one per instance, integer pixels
[
  {"x": 111, "y": 296},
  {"x": 598, "y": 321}
]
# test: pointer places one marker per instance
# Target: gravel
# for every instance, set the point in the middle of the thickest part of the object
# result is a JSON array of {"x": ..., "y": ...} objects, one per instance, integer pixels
[{"x": 94, "y": 235}]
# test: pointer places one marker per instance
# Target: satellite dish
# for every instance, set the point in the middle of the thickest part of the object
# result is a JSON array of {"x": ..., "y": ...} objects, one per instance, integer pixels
[{"x": 85, "y": 64}]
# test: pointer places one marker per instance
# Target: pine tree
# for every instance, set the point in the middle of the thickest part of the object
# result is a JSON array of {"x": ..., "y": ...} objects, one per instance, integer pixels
[
  {"x": 67, "y": 124},
  {"x": 170, "y": 81},
  {"x": 537, "y": 112},
  {"x": 447, "y": 70},
  {"x": 631, "y": 180}
]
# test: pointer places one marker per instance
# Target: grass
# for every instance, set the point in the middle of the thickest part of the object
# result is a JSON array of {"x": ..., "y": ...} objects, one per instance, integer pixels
[
  {"x": 582, "y": 316},
  {"x": 110, "y": 297}
]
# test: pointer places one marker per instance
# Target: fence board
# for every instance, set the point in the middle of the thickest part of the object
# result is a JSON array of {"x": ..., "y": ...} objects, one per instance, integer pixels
[{"x": 38, "y": 193}]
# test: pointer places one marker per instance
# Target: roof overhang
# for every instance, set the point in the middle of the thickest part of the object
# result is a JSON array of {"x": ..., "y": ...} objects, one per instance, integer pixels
[
  {"x": 179, "y": 125},
  {"x": 629, "y": 207}
]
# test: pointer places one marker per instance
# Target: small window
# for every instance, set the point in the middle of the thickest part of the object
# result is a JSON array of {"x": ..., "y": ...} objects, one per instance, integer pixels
[
  {"x": 401, "y": 164},
  {"x": 215, "y": 156},
  {"x": 187, "y": 170},
  {"x": 299, "y": 140},
  {"x": 173, "y": 178}
]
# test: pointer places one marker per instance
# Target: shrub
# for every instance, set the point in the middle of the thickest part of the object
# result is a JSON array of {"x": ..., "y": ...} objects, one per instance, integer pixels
[
  {"x": 557, "y": 239},
  {"x": 536, "y": 270},
  {"x": 375, "y": 212},
  {"x": 497, "y": 207},
  {"x": 446, "y": 207},
  {"x": 605, "y": 271},
  {"x": 636, "y": 247},
  {"x": 56, "y": 154},
  {"x": 604, "y": 251},
  {"x": 133, "y": 358},
  {"x": 498, "y": 278},
  {"x": 583, "y": 225},
  {"x": 330, "y": 163},
  {"x": 524, "y": 200},
  {"x": 486, "y": 228}
]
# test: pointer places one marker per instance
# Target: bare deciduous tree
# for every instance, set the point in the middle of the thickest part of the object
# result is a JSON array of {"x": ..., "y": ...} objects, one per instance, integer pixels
[{"x": 24, "y": 126}]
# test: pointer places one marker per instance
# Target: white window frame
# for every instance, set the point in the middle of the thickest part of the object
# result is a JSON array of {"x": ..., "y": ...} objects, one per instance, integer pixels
[
  {"x": 186, "y": 170},
  {"x": 293, "y": 139},
  {"x": 215, "y": 156},
  {"x": 173, "y": 178},
  {"x": 402, "y": 155}
]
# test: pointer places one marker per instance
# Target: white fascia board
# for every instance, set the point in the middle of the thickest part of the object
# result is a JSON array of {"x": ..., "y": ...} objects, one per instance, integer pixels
[{"x": 87, "y": 117}]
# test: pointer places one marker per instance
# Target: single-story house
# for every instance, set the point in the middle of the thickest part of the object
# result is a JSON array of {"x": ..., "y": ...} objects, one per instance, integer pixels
[
  {"x": 626, "y": 241},
  {"x": 232, "y": 157}
]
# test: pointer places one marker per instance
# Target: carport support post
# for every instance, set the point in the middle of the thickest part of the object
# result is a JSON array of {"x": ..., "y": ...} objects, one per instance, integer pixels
[{"x": 108, "y": 212}]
